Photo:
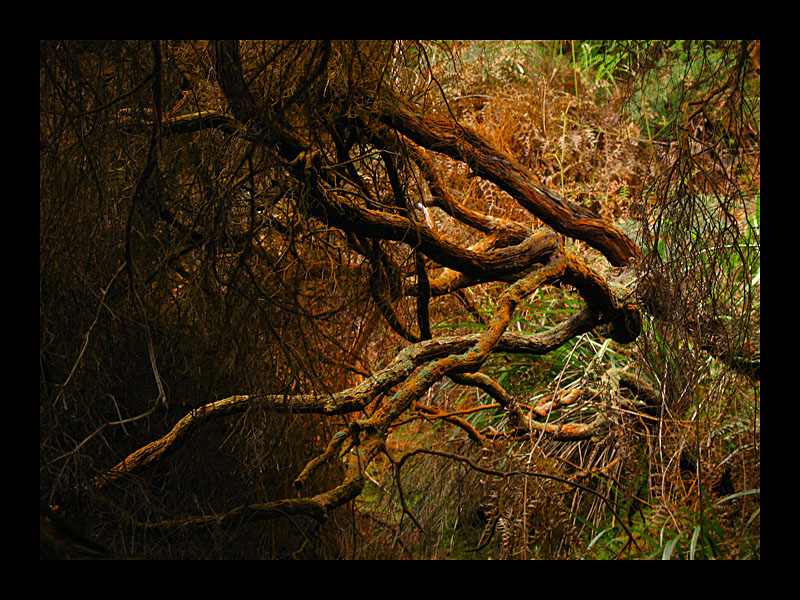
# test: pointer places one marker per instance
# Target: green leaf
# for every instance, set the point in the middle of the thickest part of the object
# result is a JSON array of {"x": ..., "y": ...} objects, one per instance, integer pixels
[
  {"x": 670, "y": 547},
  {"x": 693, "y": 543},
  {"x": 596, "y": 538},
  {"x": 738, "y": 495}
]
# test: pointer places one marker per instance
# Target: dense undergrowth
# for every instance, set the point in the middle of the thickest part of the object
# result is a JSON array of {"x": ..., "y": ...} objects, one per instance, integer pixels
[
  {"x": 600, "y": 122},
  {"x": 199, "y": 258}
]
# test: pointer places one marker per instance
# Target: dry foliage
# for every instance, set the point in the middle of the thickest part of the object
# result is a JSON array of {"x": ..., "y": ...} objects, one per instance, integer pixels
[{"x": 388, "y": 299}]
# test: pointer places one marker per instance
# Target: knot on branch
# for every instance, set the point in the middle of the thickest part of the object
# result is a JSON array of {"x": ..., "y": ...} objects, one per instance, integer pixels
[{"x": 626, "y": 325}]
